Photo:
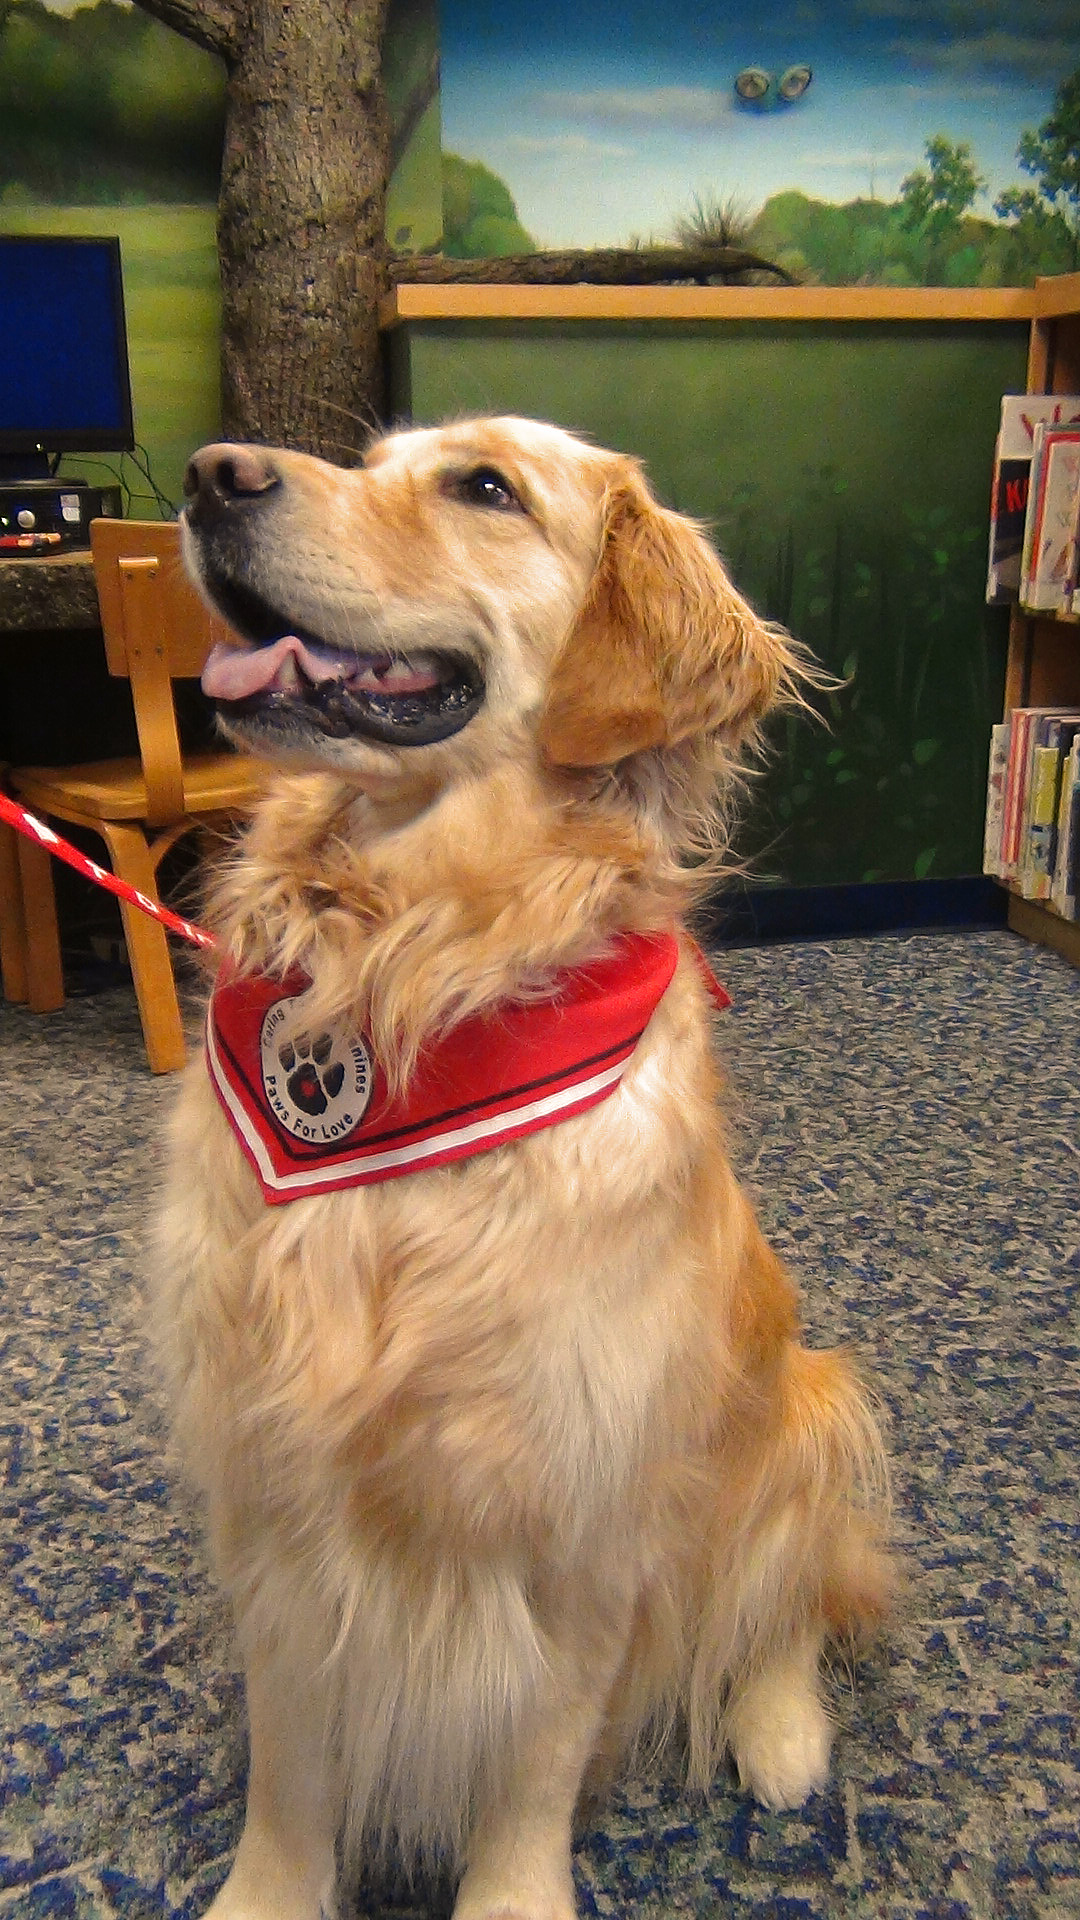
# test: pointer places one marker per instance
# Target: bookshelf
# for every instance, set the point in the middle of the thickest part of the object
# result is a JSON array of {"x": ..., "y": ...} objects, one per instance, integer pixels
[{"x": 1044, "y": 649}]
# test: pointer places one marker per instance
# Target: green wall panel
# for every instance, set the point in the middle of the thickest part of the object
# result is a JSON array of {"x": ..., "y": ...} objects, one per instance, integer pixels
[{"x": 845, "y": 472}]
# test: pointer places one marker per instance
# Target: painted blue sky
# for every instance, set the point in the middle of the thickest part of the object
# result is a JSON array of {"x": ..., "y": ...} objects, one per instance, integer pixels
[{"x": 606, "y": 117}]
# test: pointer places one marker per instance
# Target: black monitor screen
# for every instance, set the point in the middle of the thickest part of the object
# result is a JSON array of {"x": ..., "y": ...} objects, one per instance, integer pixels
[{"x": 64, "y": 382}]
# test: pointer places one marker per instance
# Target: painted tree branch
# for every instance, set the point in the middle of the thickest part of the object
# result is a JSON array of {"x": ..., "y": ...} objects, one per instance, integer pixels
[
  {"x": 594, "y": 266},
  {"x": 213, "y": 24}
]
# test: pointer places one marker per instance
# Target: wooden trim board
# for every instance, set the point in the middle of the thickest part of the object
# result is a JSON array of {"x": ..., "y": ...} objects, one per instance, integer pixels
[{"x": 411, "y": 301}]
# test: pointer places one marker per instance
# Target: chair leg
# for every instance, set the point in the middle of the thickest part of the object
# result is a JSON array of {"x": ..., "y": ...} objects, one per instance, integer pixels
[
  {"x": 13, "y": 963},
  {"x": 148, "y": 951},
  {"x": 44, "y": 972}
]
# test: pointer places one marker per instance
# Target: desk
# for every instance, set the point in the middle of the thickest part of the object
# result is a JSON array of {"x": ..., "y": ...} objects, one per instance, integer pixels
[
  {"x": 57, "y": 702},
  {"x": 53, "y": 594}
]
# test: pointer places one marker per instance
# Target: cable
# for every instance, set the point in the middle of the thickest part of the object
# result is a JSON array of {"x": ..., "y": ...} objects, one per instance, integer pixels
[
  {"x": 140, "y": 460},
  {"x": 143, "y": 467}
]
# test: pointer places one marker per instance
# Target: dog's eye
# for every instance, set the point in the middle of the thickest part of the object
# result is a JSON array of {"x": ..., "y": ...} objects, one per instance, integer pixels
[{"x": 485, "y": 487}]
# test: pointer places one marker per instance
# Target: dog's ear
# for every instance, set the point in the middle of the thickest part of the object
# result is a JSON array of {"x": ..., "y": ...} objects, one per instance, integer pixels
[{"x": 664, "y": 647}]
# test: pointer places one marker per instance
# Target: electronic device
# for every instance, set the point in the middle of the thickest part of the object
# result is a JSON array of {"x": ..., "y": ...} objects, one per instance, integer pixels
[
  {"x": 49, "y": 516},
  {"x": 65, "y": 384}
]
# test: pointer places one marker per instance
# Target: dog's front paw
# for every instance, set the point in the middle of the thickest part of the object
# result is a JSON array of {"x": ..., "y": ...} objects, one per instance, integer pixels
[
  {"x": 264, "y": 1888},
  {"x": 780, "y": 1736},
  {"x": 511, "y": 1908},
  {"x": 239, "y": 1902},
  {"x": 235, "y": 1903},
  {"x": 532, "y": 1898}
]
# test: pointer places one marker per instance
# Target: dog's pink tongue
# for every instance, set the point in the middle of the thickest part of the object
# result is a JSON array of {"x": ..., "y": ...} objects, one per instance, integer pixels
[{"x": 234, "y": 673}]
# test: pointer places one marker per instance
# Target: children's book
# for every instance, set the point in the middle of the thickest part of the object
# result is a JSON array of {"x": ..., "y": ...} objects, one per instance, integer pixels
[
  {"x": 1020, "y": 414},
  {"x": 995, "y": 798},
  {"x": 1052, "y": 739},
  {"x": 1015, "y": 786},
  {"x": 1025, "y": 734},
  {"x": 1050, "y": 527}
]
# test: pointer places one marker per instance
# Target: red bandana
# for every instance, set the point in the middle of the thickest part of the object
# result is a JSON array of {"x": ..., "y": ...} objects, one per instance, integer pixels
[{"x": 314, "y": 1114}]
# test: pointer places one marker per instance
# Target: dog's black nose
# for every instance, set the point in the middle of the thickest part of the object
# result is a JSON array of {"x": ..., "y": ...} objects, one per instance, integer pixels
[{"x": 225, "y": 478}]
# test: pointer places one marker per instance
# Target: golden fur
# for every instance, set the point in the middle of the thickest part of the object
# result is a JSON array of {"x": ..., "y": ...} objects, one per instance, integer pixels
[{"x": 512, "y": 1464}]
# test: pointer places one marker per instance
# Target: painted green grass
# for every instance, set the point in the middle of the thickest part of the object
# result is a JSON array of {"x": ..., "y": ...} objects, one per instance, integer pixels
[
  {"x": 414, "y": 197},
  {"x": 173, "y": 319}
]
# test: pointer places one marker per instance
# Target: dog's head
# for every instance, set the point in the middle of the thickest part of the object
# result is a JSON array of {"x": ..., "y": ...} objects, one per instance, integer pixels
[{"x": 490, "y": 587}]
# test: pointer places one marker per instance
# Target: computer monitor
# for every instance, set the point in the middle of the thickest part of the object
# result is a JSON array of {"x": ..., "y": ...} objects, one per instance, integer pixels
[{"x": 65, "y": 385}]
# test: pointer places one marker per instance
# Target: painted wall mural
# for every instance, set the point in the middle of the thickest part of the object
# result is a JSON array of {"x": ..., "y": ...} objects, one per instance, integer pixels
[
  {"x": 112, "y": 123},
  {"x": 897, "y": 141},
  {"x": 905, "y": 142},
  {"x": 902, "y": 142}
]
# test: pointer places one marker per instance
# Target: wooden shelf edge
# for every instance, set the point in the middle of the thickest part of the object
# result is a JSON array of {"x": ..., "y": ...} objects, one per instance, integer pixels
[
  {"x": 1039, "y": 923},
  {"x": 412, "y": 301},
  {"x": 1057, "y": 295},
  {"x": 1055, "y": 615}
]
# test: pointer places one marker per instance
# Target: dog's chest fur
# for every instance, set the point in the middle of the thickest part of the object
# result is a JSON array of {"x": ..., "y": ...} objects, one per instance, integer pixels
[{"x": 445, "y": 1354}]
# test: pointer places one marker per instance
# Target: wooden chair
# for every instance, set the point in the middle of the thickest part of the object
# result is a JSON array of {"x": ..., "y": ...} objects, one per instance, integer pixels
[
  {"x": 156, "y": 630},
  {"x": 13, "y": 963}
]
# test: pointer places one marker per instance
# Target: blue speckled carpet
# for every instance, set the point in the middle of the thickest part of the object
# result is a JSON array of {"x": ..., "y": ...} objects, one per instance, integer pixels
[{"x": 910, "y": 1119}]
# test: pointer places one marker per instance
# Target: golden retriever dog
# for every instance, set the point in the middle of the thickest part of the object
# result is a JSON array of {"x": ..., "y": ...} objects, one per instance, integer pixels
[{"x": 512, "y": 1457}]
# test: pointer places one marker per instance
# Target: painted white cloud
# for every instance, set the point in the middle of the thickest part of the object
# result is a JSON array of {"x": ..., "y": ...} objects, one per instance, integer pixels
[
  {"x": 943, "y": 87},
  {"x": 565, "y": 146},
  {"x": 965, "y": 20},
  {"x": 641, "y": 106},
  {"x": 849, "y": 159},
  {"x": 1035, "y": 57}
]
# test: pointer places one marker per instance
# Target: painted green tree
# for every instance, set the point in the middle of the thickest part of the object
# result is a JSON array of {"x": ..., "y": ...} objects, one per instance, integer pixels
[
  {"x": 935, "y": 198},
  {"x": 480, "y": 219},
  {"x": 105, "y": 105},
  {"x": 1052, "y": 154}
]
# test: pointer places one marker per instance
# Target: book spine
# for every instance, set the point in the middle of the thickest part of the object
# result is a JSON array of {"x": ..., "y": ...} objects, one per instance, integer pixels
[
  {"x": 993, "y": 592},
  {"x": 1072, "y": 562},
  {"x": 1007, "y": 530},
  {"x": 1063, "y": 891},
  {"x": 1033, "y": 515},
  {"x": 1014, "y": 790},
  {"x": 1036, "y": 862},
  {"x": 995, "y": 798}
]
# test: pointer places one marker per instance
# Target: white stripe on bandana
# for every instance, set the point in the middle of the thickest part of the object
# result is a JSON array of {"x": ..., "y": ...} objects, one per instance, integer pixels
[{"x": 312, "y": 1111}]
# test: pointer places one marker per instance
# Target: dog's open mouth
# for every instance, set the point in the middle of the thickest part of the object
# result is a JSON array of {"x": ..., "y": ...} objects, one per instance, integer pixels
[{"x": 289, "y": 682}]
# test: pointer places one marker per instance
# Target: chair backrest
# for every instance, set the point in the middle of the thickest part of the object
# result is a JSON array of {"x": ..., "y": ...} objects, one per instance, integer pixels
[
  {"x": 156, "y": 630},
  {"x": 188, "y": 629}
]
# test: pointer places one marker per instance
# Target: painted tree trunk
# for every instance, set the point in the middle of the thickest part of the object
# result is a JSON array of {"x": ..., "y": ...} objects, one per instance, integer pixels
[
  {"x": 301, "y": 214},
  {"x": 300, "y": 225}
]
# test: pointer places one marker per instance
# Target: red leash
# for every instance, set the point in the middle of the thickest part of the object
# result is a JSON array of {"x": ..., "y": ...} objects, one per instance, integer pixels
[{"x": 16, "y": 816}]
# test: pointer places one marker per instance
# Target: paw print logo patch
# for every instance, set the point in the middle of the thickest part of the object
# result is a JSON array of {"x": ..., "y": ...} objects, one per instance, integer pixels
[{"x": 318, "y": 1086}]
